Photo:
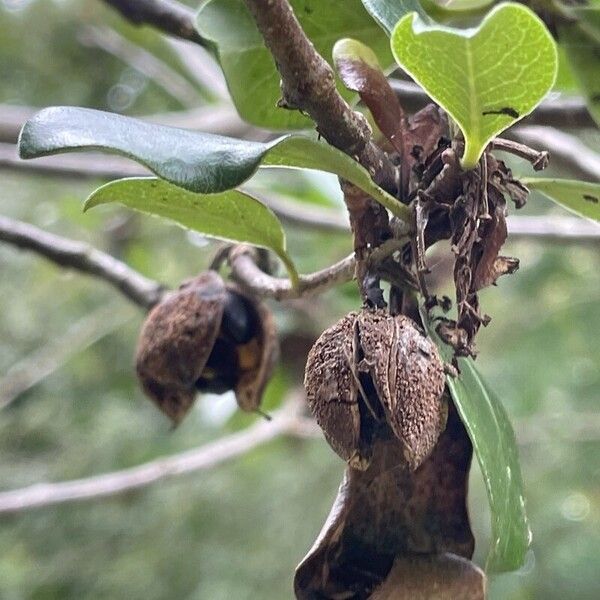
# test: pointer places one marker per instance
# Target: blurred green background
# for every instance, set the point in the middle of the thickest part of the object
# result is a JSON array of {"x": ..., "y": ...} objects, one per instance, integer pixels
[{"x": 237, "y": 531}]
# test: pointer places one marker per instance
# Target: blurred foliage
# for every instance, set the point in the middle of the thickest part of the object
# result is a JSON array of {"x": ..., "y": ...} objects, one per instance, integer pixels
[{"x": 239, "y": 530}]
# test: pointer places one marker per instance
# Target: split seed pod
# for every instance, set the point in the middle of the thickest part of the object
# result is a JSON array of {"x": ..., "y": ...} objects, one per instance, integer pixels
[
  {"x": 373, "y": 374},
  {"x": 207, "y": 336}
]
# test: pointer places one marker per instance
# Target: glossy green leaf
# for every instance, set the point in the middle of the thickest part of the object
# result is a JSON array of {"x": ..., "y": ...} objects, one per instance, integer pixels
[
  {"x": 495, "y": 447},
  {"x": 581, "y": 42},
  {"x": 232, "y": 215},
  {"x": 486, "y": 78},
  {"x": 580, "y": 197},
  {"x": 388, "y": 12},
  {"x": 249, "y": 67},
  {"x": 199, "y": 162}
]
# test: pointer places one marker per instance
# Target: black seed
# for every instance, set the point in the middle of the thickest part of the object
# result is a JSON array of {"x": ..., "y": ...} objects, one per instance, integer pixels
[{"x": 239, "y": 322}]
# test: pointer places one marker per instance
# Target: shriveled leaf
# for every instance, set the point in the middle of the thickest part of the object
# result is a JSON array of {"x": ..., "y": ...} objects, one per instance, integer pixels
[
  {"x": 199, "y": 162},
  {"x": 486, "y": 78},
  {"x": 581, "y": 42},
  {"x": 231, "y": 215},
  {"x": 388, "y": 12},
  {"x": 496, "y": 449},
  {"x": 249, "y": 67},
  {"x": 580, "y": 197},
  {"x": 359, "y": 69}
]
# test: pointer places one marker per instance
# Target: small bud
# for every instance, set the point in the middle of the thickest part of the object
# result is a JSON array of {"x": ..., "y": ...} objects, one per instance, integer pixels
[
  {"x": 373, "y": 374},
  {"x": 207, "y": 336}
]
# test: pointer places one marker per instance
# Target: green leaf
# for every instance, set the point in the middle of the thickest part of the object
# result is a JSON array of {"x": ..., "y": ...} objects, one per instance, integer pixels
[
  {"x": 581, "y": 42},
  {"x": 486, "y": 78},
  {"x": 233, "y": 216},
  {"x": 580, "y": 197},
  {"x": 388, "y": 12},
  {"x": 199, "y": 162},
  {"x": 249, "y": 67},
  {"x": 495, "y": 447}
]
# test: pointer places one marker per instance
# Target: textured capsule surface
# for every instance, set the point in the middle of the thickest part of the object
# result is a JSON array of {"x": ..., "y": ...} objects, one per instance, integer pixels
[
  {"x": 208, "y": 336},
  {"x": 373, "y": 375},
  {"x": 408, "y": 374},
  {"x": 332, "y": 390},
  {"x": 176, "y": 341}
]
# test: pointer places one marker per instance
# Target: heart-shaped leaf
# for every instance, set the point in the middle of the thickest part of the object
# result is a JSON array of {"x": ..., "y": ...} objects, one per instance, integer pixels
[
  {"x": 486, "y": 78},
  {"x": 496, "y": 449},
  {"x": 249, "y": 67},
  {"x": 232, "y": 215},
  {"x": 388, "y": 12},
  {"x": 199, "y": 162},
  {"x": 580, "y": 197}
]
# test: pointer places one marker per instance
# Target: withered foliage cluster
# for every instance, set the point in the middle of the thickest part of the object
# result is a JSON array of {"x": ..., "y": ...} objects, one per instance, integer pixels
[{"x": 466, "y": 207}]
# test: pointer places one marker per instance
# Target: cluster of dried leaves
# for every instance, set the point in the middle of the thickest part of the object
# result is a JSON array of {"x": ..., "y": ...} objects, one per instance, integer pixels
[{"x": 466, "y": 207}]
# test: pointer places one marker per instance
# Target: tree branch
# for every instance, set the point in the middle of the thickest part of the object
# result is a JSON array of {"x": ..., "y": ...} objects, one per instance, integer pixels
[
  {"x": 558, "y": 112},
  {"x": 168, "y": 16},
  {"x": 288, "y": 421},
  {"x": 220, "y": 119},
  {"x": 285, "y": 422},
  {"x": 308, "y": 84},
  {"x": 158, "y": 71},
  {"x": 82, "y": 257},
  {"x": 552, "y": 228},
  {"x": 242, "y": 260},
  {"x": 538, "y": 159}
]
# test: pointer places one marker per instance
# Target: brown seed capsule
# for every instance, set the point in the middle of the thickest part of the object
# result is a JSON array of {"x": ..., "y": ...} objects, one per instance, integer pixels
[
  {"x": 332, "y": 390},
  {"x": 408, "y": 374},
  {"x": 207, "y": 336},
  {"x": 373, "y": 374}
]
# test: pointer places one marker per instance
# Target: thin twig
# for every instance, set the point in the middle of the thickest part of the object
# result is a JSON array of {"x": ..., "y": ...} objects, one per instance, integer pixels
[
  {"x": 82, "y": 257},
  {"x": 564, "y": 149},
  {"x": 220, "y": 119},
  {"x": 296, "y": 213},
  {"x": 84, "y": 166},
  {"x": 45, "y": 360},
  {"x": 556, "y": 112},
  {"x": 168, "y": 16},
  {"x": 286, "y": 422},
  {"x": 174, "y": 84},
  {"x": 552, "y": 228},
  {"x": 245, "y": 270},
  {"x": 537, "y": 158},
  {"x": 202, "y": 67}
]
